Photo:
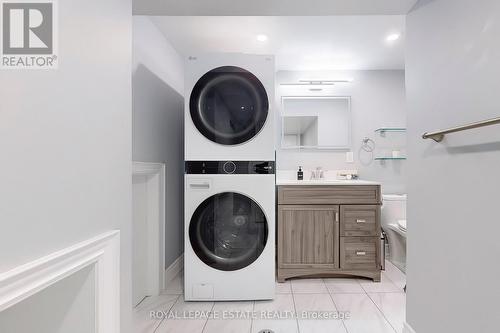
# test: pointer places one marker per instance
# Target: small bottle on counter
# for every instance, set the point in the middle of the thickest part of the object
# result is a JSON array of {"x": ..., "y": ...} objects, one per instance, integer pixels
[{"x": 300, "y": 174}]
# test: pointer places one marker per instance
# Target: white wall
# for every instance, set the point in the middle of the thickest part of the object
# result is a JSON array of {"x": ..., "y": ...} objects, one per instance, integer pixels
[
  {"x": 152, "y": 50},
  {"x": 158, "y": 120},
  {"x": 65, "y": 138},
  {"x": 453, "y": 75},
  {"x": 377, "y": 100}
]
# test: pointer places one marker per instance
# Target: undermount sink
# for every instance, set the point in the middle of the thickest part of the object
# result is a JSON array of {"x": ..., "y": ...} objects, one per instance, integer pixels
[
  {"x": 327, "y": 180},
  {"x": 323, "y": 180}
]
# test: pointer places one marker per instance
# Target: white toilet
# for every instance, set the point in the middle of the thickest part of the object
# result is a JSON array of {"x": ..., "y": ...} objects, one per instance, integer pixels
[{"x": 394, "y": 225}]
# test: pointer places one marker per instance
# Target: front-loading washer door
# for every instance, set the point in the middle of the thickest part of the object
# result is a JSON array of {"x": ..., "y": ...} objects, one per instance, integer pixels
[
  {"x": 229, "y": 105},
  {"x": 228, "y": 231}
]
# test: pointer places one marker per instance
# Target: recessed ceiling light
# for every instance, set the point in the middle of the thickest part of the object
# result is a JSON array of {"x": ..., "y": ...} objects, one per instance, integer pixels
[
  {"x": 392, "y": 37},
  {"x": 261, "y": 38}
]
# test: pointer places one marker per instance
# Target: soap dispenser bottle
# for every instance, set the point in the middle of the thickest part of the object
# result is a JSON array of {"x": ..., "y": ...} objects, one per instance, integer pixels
[{"x": 300, "y": 174}]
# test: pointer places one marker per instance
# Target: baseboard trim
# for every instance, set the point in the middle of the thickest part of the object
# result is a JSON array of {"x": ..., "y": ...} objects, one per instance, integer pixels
[
  {"x": 174, "y": 269},
  {"x": 407, "y": 328}
]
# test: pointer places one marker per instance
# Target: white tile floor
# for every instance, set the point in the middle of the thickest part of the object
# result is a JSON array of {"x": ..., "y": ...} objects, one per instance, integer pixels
[{"x": 372, "y": 308}]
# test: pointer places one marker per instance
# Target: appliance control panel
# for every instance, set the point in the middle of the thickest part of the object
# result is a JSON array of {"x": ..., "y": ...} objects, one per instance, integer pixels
[{"x": 229, "y": 167}]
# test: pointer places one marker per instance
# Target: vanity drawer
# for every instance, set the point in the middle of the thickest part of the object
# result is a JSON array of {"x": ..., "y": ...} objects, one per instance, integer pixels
[
  {"x": 359, "y": 220},
  {"x": 325, "y": 194},
  {"x": 359, "y": 253}
]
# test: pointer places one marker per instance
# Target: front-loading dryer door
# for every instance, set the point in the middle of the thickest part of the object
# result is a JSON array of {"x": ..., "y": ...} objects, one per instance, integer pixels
[
  {"x": 228, "y": 231},
  {"x": 229, "y": 105}
]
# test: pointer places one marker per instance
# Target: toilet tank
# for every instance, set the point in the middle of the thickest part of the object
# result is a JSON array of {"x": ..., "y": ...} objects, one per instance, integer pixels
[{"x": 393, "y": 208}]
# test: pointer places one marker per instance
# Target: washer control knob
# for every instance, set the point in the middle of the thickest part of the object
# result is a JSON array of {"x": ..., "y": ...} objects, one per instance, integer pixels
[{"x": 229, "y": 167}]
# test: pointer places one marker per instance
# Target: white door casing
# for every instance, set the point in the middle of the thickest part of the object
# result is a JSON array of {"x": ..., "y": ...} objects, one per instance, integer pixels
[{"x": 148, "y": 238}]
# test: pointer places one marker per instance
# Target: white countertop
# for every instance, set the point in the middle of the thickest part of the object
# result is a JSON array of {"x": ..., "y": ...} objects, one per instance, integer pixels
[
  {"x": 325, "y": 182},
  {"x": 289, "y": 177}
]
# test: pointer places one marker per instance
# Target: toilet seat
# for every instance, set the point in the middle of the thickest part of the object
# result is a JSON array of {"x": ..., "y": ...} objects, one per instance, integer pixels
[
  {"x": 395, "y": 227},
  {"x": 402, "y": 225}
]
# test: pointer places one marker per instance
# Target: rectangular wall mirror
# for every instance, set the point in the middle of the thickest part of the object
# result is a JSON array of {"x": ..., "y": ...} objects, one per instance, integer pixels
[{"x": 316, "y": 122}]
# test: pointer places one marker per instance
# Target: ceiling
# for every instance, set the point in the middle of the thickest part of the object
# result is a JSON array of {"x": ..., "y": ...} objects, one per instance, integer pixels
[
  {"x": 298, "y": 42},
  {"x": 272, "y": 7}
]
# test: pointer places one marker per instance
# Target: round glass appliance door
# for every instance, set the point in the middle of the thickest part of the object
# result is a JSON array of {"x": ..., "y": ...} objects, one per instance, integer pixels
[
  {"x": 229, "y": 105},
  {"x": 228, "y": 231}
]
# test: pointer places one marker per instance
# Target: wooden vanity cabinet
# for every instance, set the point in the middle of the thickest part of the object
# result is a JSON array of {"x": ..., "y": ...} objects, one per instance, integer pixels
[{"x": 327, "y": 231}]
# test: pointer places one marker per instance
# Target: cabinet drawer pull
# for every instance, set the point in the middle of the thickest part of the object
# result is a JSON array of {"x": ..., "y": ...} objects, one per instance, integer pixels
[
  {"x": 199, "y": 185},
  {"x": 360, "y": 253},
  {"x": 360, "y": 221}
]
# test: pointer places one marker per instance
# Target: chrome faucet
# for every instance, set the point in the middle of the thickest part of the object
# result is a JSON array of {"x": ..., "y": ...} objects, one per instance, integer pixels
[{"x": 317, "y": 174}]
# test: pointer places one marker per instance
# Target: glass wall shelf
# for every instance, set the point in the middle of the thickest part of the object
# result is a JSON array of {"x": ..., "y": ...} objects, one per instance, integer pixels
[
  {"x": 390, "y": 158},
  {"x": 384, "y": 130}
]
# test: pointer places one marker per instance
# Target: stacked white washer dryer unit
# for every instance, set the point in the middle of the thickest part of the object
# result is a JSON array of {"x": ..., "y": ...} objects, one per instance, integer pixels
[{"x": 229, "y": 178}]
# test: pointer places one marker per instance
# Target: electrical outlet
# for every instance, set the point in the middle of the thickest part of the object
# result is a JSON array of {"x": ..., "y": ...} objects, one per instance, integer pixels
[{"x": 349, "y": 157}]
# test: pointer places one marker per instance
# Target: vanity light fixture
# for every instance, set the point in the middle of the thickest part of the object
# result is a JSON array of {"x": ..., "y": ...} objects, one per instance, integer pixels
[
  {"x": 313, "y": 83},
  {"x": 321, "y": 81},
  {"x": 317, "y": 82},
  {"x": 393, "y": 37}
]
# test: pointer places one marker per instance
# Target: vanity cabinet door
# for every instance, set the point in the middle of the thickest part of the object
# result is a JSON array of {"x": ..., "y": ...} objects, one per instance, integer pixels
[{"x": 308, "y": 236}]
